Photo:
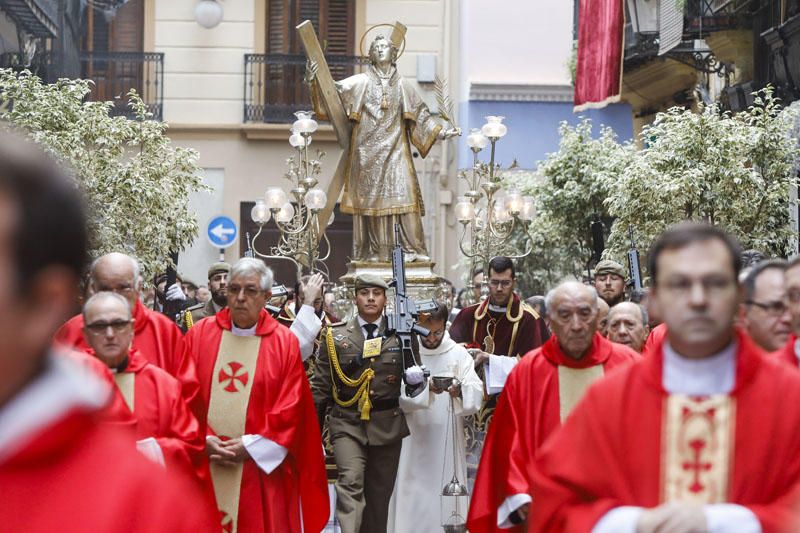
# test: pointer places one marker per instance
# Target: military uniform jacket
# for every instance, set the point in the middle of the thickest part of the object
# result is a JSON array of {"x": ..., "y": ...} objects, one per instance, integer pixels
[
  {"x": 197, "y": 312},
  {"x": 386, "y": 424}
]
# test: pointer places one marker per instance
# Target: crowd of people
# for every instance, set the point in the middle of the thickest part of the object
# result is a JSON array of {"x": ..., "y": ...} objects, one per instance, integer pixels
[{"x": 673, "y": 413}]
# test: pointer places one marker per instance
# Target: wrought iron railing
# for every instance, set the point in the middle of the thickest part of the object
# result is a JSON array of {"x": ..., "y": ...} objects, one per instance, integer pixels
[
  {"x": 274, "y": 88},
  {"x": 115, "y": 73}
]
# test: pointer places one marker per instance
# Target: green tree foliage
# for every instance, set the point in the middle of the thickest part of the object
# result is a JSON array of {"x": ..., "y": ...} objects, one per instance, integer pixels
[
  {"x": 136, "y": 182},
  {"x": 734, "y": 171},
  {"x": 573, "y": 184}
]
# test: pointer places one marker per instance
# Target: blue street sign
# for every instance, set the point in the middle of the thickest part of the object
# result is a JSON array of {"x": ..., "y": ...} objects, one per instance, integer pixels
[{"x": 221, "y": 231}]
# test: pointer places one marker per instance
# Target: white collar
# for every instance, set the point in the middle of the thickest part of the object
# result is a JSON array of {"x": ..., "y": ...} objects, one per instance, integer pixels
[
  {"x": 62, "y": 386},
  {"x": 715, "y": 374},
  {"x": 497, "y": 309},
  {"x": 239, "y": 332},
  {"x": 797, "y": 349},
  {"x": 362, "y": 322}
]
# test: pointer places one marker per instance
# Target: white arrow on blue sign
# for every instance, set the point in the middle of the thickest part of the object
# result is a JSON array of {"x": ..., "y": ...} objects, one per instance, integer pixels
[{"x": 222, "y": 231}]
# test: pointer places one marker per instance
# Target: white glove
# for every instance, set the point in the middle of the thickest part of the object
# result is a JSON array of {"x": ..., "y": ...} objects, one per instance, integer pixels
[
  {"x": 414, "y": 375},
  {"x": 175, "y": 293}
]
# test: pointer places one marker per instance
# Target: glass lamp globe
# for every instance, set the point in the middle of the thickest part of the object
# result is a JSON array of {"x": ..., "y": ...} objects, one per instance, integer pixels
[
  {"x": 465, "y": 210},
  {"x": 476, "y": 140},
  {"x": 304, "y": 123},
  {"x": 494, "y": 127},
  {"x": 208, "y": 13},
  {"x": 513, "y": 202},
  {"x": 260, "y": 213},
  {"x": 285, "y": 214},
  {"x": 316, "y": 199},
  {"x": 501, "y": 214},
  {"x": 275, "y": 197},
  {"x": 528, "y": 211},
  {"x": 299, "y": 141}
]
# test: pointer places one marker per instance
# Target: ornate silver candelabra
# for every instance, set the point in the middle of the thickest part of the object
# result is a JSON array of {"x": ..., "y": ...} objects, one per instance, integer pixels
[
  {"x": 488, "y": 215},
  {"x": 302, "y": 239}
]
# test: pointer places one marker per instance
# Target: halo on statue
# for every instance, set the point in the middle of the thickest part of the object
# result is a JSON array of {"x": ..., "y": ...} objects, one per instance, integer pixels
[{"x": 363, "y": 37}]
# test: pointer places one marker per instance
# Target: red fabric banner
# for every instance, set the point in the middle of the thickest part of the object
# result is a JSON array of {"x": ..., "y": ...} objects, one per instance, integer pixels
[{"x": 598, "y": 74}]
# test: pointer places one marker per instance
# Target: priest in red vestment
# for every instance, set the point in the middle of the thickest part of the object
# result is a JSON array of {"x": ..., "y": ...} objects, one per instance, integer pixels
[
  {"x": 790, "y": 352},
  {"x": 701, "y": 435},
  {"x": 267, "y": 462},
  {"x": 539, "y": 394},
  {"x": 165, "y": 429},
  {"x": 156, "y": 337},
  {"x": 60, "y": 469}
]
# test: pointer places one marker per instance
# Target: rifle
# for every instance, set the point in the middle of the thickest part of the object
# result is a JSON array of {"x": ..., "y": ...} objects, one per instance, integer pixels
[
  {"x": 248, "y": 252},
  {"x": 278, "y": 291},
  {"x": 172, "y": 307},
  {"x": 635, "y": 282},
  {"x": 402, "y": 321}
]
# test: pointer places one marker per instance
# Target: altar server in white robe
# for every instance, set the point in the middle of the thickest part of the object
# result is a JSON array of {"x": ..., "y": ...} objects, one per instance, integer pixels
[{"x": 425, "y": 460}]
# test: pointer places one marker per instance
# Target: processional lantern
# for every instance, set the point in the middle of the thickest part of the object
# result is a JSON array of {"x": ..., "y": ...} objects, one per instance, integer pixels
[{"x": 302, "y": 239}]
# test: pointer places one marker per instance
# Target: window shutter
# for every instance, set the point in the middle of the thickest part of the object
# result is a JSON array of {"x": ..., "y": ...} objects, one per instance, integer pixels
[{"x": 127, "y": 28}]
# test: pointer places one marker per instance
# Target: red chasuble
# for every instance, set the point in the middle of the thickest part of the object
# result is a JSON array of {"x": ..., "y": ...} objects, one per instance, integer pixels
[
  {"x": 514, "y": 333},
  {"x": 257, "y": 386},
  {"x": 153, "y": 398},
  {"x": 629, "y": 442},
  {"x": 539, "y": 394},
  {"x": 73, "y": 475},
  {"x": 158, "y": 340},
  {"x": 787, "y": 353}
]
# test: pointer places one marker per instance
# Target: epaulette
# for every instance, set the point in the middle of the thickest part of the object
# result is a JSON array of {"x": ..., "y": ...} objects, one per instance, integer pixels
[
  {"x": 338, "y": 324},
  {"x": 530, "y": 310},
  {"x": 195, "y": 307}
]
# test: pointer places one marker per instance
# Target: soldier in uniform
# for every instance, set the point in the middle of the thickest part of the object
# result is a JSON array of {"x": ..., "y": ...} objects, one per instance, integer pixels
[
  {"x": 217, "y": 283},
  {"x": 360, "y": 372}
]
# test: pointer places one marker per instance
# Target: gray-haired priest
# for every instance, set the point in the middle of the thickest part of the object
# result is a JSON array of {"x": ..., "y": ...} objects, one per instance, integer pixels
[{"x": 263, "y": 441}]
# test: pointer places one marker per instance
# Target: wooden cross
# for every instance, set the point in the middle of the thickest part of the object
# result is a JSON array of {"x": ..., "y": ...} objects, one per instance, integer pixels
[{"x": 334, "y": 108}]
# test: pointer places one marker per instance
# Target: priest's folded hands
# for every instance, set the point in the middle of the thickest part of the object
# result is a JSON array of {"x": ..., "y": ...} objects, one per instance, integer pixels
[{"x": 225, "y": 453}]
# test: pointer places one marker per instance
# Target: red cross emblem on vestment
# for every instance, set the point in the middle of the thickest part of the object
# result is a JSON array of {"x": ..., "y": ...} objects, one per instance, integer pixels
[
  {"x": 226, "y": 522},
  {"x": 235, "y": 373},
  {"x": 696, "y": 465}
]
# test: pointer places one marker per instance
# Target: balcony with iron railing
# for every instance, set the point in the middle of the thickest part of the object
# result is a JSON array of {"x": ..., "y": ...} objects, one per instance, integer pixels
[
  {"x": 699, "y": 19},
  {"x": 116, "y": 73},
  {"x": 113, "y": 75},
  {"x": 38, "y": 18},
  {"x": 274, "y": 88}
]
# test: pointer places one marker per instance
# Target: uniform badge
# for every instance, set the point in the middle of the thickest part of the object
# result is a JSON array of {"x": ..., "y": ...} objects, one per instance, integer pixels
[{"x": 372, "y": 347}]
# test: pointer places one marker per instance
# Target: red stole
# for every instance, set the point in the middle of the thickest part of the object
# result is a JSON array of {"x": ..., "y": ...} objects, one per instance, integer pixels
[
  {"x": 631, "y": 443},
  {"x": 279, "y": 408},
  {"x": 530, "y": 408}
]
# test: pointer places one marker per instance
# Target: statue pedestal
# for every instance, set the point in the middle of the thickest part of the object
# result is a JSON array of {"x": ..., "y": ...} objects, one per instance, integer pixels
[{"x": 421, "y": 283}]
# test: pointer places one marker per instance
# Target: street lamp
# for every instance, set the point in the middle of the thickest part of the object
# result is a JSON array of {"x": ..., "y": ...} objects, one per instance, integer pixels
[
  {"x": 296, "y": 213},
  {"x": 208, "y": 13}
]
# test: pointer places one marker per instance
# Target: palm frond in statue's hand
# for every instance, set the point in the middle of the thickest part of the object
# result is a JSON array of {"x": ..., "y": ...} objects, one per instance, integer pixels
[{"x": 443, "y": 100}]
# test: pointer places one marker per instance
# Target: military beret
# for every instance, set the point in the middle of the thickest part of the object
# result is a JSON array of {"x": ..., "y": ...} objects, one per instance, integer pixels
[
  {"x": 370, "y": 280},
  {"x": 606, "y": 266},
  {"x": 217, "y": 268}
]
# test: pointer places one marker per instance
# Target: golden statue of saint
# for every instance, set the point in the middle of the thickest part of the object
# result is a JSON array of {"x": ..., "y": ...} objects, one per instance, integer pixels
[{"x": 380, "y": 183}]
